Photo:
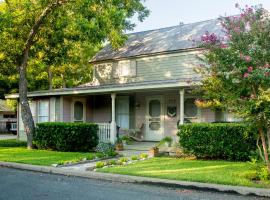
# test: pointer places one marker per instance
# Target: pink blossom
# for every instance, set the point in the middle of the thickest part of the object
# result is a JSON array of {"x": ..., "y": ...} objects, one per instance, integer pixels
[
  {"x": 266, "y": 74},
  {"x": 209, "y": 38},
  {"x": 250, "y": 69},
  {"x": 246, "y": 75},
  {"x": 266, "y": 65},
  {"x": 247, "y": 58},
  {"x": 223, "y": 46}
]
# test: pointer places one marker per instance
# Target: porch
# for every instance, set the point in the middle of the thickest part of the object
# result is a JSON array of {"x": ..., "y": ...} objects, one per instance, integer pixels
[{"x": 151, "y": 114}]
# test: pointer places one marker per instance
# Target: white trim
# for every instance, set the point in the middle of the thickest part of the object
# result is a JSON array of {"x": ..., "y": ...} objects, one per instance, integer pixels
[
  {"x": 61, "y": 109},
  {"x": 83, "y": 101},
  {"x": 38, "y": 115},
  {"x": 120, "y": 88},
  {"x": 162, "y": 117}
]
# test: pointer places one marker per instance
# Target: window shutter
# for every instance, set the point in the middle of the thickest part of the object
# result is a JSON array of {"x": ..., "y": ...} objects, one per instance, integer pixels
[
  {"x": 133, "y": 68},
  {"x": 116, "y": 70}
]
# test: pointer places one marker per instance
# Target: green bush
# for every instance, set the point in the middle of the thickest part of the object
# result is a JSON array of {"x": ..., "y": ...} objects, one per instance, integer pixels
[
  {"x": 62, "y": 136},
  {"x": 105, "y": 148},
  {"x": 229, "y": 141}
]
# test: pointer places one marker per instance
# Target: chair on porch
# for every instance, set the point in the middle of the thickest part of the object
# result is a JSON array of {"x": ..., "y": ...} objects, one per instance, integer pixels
[{"x": 136, "y": 134}]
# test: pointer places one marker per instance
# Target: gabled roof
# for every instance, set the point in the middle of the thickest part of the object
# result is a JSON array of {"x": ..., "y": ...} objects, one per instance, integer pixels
[
  {"x": 4, "y": 107},
  {"x": 161, "y": 40}
]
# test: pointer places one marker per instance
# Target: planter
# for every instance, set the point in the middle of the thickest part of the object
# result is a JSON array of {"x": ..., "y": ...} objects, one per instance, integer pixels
[
  {"x": 154, "y": 152},
  {"x": 119, "y": 147},
  {"x": 168, "y": 144}
]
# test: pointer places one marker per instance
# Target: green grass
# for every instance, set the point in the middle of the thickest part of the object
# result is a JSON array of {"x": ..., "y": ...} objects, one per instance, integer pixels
[
  {"x": 15, "y": 151},
  {"x": 219, "y": 172}
]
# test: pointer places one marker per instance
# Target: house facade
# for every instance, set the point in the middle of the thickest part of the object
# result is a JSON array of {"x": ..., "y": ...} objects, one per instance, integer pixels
[
  {"x": 8, "y": 118},
  {"x": 145, "y": 85}
]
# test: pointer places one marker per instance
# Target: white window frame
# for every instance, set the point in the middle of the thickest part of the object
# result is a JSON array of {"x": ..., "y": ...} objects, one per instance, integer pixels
[
  {"x": 198, "y": 110},
  {"x": 38, "y": 113},
  {"x": 124, "y": 68},
  {"x": 83, "y": 101}
]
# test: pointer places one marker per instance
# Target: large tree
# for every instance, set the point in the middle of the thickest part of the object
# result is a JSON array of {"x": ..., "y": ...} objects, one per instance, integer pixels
[
  {"x": 237, "y": 70},
  {"x": 25, "y": 23}
]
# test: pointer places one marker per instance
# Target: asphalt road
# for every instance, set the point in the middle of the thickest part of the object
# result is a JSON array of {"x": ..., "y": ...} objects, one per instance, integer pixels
[{"x": 25, "y": 185}]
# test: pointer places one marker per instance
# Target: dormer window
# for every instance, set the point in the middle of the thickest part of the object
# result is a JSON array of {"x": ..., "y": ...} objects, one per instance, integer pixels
[{"x": 125, "y": 68}]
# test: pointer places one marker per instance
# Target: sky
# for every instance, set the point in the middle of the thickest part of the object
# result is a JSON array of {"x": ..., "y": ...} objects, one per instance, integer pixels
[{"x": 165, "y": 13}]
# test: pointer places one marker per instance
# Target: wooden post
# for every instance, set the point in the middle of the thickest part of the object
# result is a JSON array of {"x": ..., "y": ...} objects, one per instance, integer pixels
[
  {"x": 113, "y": 122},
  {"x": 182, "y": 101}
]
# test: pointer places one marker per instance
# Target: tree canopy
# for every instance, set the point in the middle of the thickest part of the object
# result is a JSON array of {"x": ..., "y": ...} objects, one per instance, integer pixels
[
  {"x": 55, "y": 36},
  {"x": 237, "y": 68}
]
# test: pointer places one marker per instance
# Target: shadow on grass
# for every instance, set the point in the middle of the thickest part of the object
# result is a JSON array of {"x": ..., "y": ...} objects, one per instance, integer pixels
[{"x": 12, "y": 143}]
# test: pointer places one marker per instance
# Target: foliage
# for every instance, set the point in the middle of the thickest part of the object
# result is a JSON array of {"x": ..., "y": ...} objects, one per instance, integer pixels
[
  {"x": 100, "y": 164},
  {"x": 66, "y": 136},
  {"x": 144, "y": 155},
  {"x": 164, "y": 140},
  {"x": 134, "y": 158},
  {"x": 105, "y": 148},
  {"x": 15, "y": 151},
  {"x": 229, "y": 141},
  {"x": 71, "y": 34},
  {"x": 206, "y": 171},
  {"x": 237, "y": 69},
  {"x": 123, "y": 160}
]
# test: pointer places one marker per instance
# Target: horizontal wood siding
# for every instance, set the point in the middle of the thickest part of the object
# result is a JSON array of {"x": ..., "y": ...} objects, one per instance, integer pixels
[{"x": 153, "y": 68}]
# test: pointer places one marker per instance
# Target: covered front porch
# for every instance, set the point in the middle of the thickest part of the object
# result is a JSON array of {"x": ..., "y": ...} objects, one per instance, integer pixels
[{"x": 153, "y": 115}]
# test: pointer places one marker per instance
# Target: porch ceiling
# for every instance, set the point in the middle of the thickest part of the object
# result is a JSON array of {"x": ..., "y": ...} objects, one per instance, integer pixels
[{"x": 106, "y": 89}]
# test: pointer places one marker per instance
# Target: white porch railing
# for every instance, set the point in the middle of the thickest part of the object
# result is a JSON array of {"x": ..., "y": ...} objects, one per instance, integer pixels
[{"x": 104, "y": 132}]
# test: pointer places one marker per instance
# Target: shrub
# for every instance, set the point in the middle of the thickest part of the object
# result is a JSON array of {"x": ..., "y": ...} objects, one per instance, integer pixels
[
  {"x": 144, "y": 155},
  {"x": 105, "y": 148},
  {"x": 66, "y": 136},
  {"x": 100, "y": 164},
  {"x": 111, "y": 162},
  {"x": 134, "y": 158},
  {"x": 229, "y": 141},
  {"x": 123, "y": 160}
]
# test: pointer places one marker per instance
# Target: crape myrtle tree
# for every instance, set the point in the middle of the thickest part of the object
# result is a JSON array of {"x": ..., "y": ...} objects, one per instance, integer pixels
[
  {"x": 25, "y": 25},
  {"x": 236, "y": 70}
]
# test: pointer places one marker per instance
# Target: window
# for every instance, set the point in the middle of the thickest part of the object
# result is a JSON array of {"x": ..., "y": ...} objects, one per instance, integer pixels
[
  {"x": 9, "y": 116},
  {"x": 122, "y": 112},
  {"x": 78, "y": 111},
  {"x": 125, "y": 68},
  {"x": 33, "y": 109},
  {"x": 43, "y": 111},
  {"x": 191, "y": 109}
]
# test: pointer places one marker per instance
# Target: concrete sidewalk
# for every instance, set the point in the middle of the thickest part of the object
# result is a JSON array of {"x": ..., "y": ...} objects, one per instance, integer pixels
[{"x": 142, "y": 180}]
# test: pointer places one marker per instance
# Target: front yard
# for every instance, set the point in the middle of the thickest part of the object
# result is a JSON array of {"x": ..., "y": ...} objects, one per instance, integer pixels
[
  {"x": 219, "y": 172},
  {"x": 14, "y": 151}
]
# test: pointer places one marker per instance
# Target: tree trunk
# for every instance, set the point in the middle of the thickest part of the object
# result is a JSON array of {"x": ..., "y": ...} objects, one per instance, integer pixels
[
  {"x": 268, "y": 138},
  {"x": 264, "y": 145},
  {"x": 26, "y": 114},
  {"x": 50, "y": 77}
]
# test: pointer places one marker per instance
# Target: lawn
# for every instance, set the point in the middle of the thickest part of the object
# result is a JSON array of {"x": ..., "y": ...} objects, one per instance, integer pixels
[
  {"x": 219, "y": 172},
  {"x": 15, "y": 151}
]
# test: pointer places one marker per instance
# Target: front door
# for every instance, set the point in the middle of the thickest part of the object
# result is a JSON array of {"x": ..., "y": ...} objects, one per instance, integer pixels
[{"x": 154, "y": 118}]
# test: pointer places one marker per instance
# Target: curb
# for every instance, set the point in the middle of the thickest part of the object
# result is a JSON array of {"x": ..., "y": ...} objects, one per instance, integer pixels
[{"x": 142, "y": 180}]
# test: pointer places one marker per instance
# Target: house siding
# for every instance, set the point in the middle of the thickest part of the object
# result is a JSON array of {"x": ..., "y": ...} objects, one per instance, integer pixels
[{"x": 152, "y": 68}]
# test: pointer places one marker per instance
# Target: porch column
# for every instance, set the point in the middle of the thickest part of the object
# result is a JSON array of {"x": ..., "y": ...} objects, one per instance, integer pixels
[
  {"x": 113, "y": 122},
  {"x": 182, "y": 100}
]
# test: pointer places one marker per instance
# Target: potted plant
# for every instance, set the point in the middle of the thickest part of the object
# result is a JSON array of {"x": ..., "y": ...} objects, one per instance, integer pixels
[
  {"x": 125, "y": 140},
  {"x": 119, "y": 145},
  {"x": 154, "y": 151},
  {"x": 167, "y": 141}
]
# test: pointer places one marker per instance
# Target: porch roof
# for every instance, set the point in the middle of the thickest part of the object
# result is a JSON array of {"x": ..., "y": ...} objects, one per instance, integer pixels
[{"x": 109, "y": 88}]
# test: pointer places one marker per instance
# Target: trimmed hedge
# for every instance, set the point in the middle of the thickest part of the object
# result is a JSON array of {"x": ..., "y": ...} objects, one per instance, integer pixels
[
  {"x": 62, "y": 136},
  {"x": 229, "y": 141}
]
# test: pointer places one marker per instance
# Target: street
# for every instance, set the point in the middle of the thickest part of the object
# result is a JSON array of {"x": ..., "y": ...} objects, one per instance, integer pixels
[{"x": 22, "y": 185}]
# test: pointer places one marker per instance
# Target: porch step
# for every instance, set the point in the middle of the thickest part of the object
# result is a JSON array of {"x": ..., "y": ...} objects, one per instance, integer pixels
[{"x": 140, "y": 146}]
